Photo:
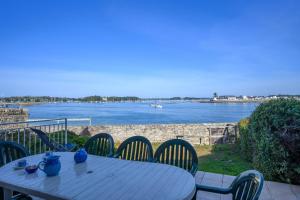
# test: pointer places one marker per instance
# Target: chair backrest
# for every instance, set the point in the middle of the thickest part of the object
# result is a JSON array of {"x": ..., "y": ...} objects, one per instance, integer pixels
[
  {"x": 136, "y": 148},
  {"x": 247, "y": 186},
  {"x": 10, "y": 151},
  {"x": 101, "y": 144},
  {"x": 179, "y": 153},
  {"x": 53, "y": 145}
]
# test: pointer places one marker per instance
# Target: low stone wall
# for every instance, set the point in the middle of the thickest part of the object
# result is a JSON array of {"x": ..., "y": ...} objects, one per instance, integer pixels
[
  {"x": 194, "y": 133},
  {"x": 12, "y": 115}
]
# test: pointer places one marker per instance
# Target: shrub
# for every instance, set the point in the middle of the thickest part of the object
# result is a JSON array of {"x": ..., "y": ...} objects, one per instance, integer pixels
[
  {"x": 245, "y": 139},
  {"x": 77, "y": 139},
  {"x": 275, "y": 131}
]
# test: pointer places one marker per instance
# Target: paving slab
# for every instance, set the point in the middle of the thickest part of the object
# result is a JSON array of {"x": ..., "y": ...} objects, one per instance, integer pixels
[
  {"x": 271, "y": 190},
  {"x": 265, "y": 193},
  {"x": 228, "y": 178},
  {"x": 213, "y": 176},
  {"x": 201, "y": 195},
  {"x": 296, "y": 190},
  {"x": 199, "y": 176}
]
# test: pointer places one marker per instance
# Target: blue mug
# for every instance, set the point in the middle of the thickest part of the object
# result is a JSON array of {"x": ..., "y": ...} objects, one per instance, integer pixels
[
  {"x": 21, "y": 163},
  {"x": 51, "y": 165}
]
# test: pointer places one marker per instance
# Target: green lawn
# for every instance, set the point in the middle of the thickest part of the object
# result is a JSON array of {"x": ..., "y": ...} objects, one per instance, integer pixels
[{"x": 221, "y": 158}]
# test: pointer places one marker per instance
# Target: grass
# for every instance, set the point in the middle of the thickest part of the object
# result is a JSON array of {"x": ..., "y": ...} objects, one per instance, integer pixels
[{"x": 219, "y": 158}]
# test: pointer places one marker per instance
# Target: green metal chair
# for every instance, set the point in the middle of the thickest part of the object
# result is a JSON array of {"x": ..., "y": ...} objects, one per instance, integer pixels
[
  {"x": 179, "y": 153},
  {"x": 10, "y": 151},
  {"x": 247, "y": 186},
  {"x": 136, "y": 148},
  {"x": 101, "y": 144}
]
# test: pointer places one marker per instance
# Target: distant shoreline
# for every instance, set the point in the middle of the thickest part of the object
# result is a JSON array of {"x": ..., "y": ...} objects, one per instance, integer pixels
[
  {"x": 34, "y": 100},
  {"x": 232, "y": 101},
  {"x": 4, "y": 104}
]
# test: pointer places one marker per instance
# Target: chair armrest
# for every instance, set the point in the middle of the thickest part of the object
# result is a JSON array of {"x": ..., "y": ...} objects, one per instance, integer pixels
[{"x": 213, "y": 189}]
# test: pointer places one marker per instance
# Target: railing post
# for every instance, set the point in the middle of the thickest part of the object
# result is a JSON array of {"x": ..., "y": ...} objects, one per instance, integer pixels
[
  {"x": 209, "y": 135},
  {"x": 236, "y": 133},
  {"x": 66, "y": 131}
]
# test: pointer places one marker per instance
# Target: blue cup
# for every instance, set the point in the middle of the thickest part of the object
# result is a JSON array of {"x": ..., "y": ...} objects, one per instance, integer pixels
[{"x": 21, "y": 163}]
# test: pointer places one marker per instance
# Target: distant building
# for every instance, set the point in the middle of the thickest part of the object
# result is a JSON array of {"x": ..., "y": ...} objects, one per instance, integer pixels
[
  {"x": 273, "y": 97},
  {"x": 227, "y": 98}
]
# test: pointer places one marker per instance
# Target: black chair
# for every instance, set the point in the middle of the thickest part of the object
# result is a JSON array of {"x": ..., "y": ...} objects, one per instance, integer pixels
[
  {"x": 10, "y": 151},
  {"x": 101, "y": 144},
  {"x": 179, "y": 153},
  {"x": 136, "y": 148},
  {"x": 53, "y": 145},
  {"x": 247, "y": 186}
]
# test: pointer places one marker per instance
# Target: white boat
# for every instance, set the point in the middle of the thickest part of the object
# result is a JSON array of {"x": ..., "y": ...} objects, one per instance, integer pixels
[{"x": 155, "y": 105}]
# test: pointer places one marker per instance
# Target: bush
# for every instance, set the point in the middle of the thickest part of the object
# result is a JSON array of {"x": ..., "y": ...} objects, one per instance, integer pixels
[
  {"x": 275, "y": 135},
  {"x": 77, "y": 139},
  {"x": 245, "y": 140}
]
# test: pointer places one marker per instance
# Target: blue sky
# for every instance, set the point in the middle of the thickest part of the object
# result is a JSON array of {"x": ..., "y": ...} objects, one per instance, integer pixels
[{"x": 149, "y": 48}]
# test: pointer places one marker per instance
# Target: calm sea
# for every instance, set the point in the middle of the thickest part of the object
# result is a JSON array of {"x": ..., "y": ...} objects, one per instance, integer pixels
[{"x": 143, "y": 113}]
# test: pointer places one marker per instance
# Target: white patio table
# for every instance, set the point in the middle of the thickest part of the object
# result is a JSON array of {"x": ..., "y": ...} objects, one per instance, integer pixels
[{"x": 100, "y": 178}]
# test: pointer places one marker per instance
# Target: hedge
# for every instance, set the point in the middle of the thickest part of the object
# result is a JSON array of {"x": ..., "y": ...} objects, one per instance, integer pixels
[{"x": 271, "y": 139}]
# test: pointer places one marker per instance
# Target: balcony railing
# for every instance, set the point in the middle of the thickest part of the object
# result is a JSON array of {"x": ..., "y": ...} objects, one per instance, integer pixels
[{"x": 21, "y": 133}]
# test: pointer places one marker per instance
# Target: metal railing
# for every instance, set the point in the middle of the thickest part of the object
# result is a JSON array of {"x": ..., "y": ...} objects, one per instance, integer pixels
[
  {"x": 21, "y": 133},
  {"x": 89, "y": 120}
]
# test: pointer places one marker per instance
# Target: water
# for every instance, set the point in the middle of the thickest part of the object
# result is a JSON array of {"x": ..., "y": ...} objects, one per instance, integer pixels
[{"x": 143, "y": 113}]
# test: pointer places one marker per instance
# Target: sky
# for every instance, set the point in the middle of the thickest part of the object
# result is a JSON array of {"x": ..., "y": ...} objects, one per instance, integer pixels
[{"x": 154, "y": 48}]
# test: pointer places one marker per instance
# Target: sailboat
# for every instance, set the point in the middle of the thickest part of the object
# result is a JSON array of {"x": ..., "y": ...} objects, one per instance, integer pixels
[{"x": 156, "y": 105}]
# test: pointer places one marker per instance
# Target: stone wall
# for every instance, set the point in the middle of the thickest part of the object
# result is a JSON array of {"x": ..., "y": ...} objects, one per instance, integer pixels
[
  {"x": 13, "y": 115},
  {"x": 194, "y": 133}
]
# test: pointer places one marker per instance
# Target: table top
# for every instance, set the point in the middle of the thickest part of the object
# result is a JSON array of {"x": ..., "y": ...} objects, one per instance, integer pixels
[{"x": 101, "y": 178}]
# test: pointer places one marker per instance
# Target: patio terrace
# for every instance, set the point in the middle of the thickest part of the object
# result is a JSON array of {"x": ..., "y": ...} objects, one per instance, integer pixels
[{"x": 271, "y": 190}]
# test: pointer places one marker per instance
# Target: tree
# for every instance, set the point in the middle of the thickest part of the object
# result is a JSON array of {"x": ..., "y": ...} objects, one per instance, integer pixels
[{"x": 215, "y": 95}]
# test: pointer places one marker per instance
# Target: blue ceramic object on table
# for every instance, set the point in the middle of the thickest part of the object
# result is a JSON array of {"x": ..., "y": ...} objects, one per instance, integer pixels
[
  {"x": 51, "y": 165},
  {"x": 21, "y": 163},
  {"x": 31, "y": 169},
  {"x": 47, "y": 154},
  {"x": 80, "y": 155}
]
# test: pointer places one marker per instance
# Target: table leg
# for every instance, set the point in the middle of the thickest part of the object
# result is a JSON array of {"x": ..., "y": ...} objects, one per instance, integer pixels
[{"x": 7, "y": 194}]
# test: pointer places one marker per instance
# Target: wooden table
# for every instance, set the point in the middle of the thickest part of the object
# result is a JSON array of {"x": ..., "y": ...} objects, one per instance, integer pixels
[{"x": 100, "y": 178}]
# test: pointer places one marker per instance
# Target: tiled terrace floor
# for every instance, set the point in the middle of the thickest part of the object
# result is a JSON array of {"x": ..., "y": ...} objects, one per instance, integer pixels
[{"x": 271, "y": 190}]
